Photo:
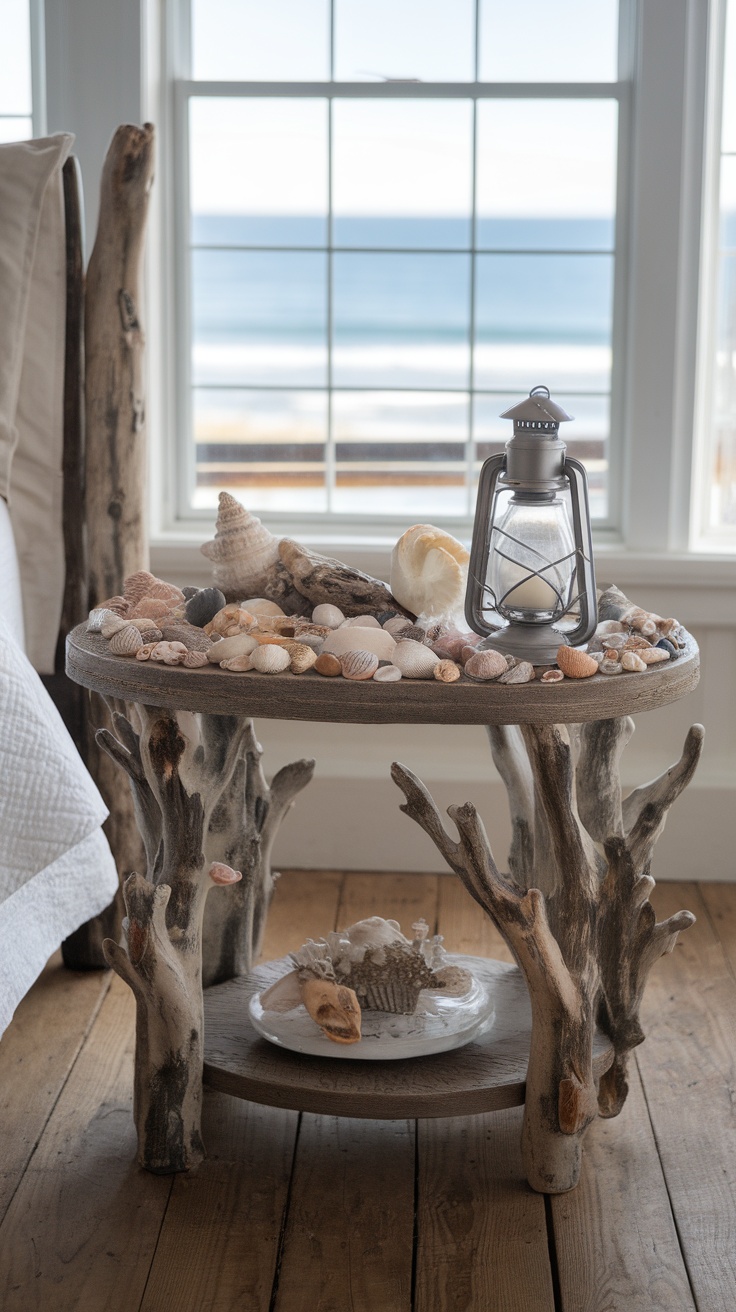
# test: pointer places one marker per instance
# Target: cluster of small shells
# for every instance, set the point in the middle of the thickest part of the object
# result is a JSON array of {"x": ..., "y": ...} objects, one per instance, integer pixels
[{"x": 193, "y": 627}]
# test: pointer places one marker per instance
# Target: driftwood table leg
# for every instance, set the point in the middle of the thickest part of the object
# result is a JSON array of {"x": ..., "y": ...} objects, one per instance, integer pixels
[
  {"x": 199, "y": 797},
  {"x": 574, "y": 910}
]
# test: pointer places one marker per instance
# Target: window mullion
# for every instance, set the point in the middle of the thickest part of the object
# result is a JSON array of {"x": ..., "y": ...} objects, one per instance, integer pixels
[{"x": 330, "y": 444}]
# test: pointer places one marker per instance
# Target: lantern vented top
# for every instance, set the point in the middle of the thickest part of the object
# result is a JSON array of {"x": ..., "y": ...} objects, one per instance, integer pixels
[{"x": 537, "y": 413}]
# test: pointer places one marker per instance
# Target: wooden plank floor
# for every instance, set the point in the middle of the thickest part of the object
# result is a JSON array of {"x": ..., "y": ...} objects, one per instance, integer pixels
[{"x": 313, "y": 1214}]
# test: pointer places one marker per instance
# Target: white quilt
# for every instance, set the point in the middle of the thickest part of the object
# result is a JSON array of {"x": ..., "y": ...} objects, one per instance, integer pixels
[{"x": 56, "y": 869}]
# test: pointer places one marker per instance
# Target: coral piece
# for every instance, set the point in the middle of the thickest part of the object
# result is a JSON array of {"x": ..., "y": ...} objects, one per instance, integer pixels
[
  {"x": 243, "y": 552},
  {"x": 576, "y": 664},
  {"x": 334, "y": 1007},
  {"x": 429, "y": 571},
  {"x": 359, "y": 665},
  {"x": 414, "y": 660}
]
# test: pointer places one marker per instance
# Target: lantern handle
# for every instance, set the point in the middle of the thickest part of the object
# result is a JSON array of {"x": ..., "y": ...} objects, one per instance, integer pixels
[
  {"x": 585, "y": 578},
  {"x": 481, "y": 544}
]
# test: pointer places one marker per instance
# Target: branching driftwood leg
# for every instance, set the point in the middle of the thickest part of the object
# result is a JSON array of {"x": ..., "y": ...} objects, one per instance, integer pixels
[
  {"x": 185, "y": 783},
  {"x": 575, "y": 912}
]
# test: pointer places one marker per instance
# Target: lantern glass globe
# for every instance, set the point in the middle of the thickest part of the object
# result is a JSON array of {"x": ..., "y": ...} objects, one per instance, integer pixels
[{"x": 532, "y": 559}]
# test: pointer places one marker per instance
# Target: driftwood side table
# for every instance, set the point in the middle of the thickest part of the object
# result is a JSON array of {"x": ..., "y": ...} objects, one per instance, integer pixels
[{"x": 574, "y": 907}]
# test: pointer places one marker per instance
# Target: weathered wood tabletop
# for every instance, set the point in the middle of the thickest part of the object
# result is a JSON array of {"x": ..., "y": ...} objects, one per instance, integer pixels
[{"x": 311, "y": 696}]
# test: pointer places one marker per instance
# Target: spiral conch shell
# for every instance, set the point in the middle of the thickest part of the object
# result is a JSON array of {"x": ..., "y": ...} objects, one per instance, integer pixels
[
  {"x": 243, "y": 551},
  {"x": 429, "y": 571}
]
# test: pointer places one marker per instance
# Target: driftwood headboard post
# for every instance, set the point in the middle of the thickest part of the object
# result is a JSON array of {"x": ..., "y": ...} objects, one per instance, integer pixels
[{"x": 115, "y": 499}]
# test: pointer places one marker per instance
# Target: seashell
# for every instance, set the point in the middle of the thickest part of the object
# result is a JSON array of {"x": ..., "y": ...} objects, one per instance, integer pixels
[
  {"x": 142, "y": 624},
  {"x": 612, "y": 604},
  {"x": 311, "y": 640},
  {"x": 230, "y": 621},
  {"x": 126, "y": 641},
  {"x": 331, "y": 616},
  {"x": 397, "y": 625},
  {"x": 138, "y": 585},
  {"x": 387, "y": 674},
  {"x": 610, "y": 654},
  {"x": 118, "y": 605},
  {"x": 523, "y": 672},
  {"x": 149, "y": 608},
  {"x": 341, "y": 641},
  {"x": 284, "y": 995},
  {"x": 413, "y": 659},
  {"x": 292, "y": 626},
  {"x": 112, "y": 624},
  {"x": 652, "y": 655},
  {"x": 301, "y": 657},
  {"x": 168, "y": 653},
  {"x": 598, "y": 656},
  {"x": 328, "y": 664},
  {"x": 241, "y": 644},
  {"x": 576, "y": 664},
  {"x": 607, "y": 627},
  {"x": 261, "y": 606},
  {"x": 240, "y": 663},
  {"x": 361, "y": 622},
  {"x": 243, "y": 552},
  {"x": 466, "y": 652},
  {"x": 610, "y": 667},
  {"x": 415, "y": 633},
  {"x": 270, "y": 659},
  {"x": 223, "y": 875},
  {"x": 447, "y": 672},
  {"x": 334, "y": 1007},
  {"x": 429, "y": 571},
  {"x": 359, "y": 665},
  {"x": 667, "y": 627},
  {"x": 636, "y": 642},
  {"x": 96, "y": 619},
  {"x": 194, "y": 660},
  {"x": 552, "y": 676},
  {"x": 615, "y": 641},
  {"x": 631, "y": 661},
  {"x": 665, "y": 645},
  {"x": 194, "y": 639},
  {"x": 164, "y": 591},
  {"x": 204, "y": 605},
  {"x": 144, "y": 653},
  {"x": 486, "y": 664}
]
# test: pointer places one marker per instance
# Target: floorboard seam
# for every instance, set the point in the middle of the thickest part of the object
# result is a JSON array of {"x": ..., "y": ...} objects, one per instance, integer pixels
[
  {"x": 415, "y": 1223},
  {"x": 666, "y": 1185},
  {"x": 284, "y": 1221},
  {"x": 158, "y": 1240},
  {"x": 552, "y": 1252},
  {"x": 62, "y": 1086},
  {"x": 714, "y": 926}
]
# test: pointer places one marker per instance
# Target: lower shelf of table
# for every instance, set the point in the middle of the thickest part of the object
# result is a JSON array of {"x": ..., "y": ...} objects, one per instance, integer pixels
[{"x": 486, "y": 1075}]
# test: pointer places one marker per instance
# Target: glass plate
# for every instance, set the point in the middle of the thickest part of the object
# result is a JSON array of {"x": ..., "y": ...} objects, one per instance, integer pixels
[{"x": 438, "y": 1025}]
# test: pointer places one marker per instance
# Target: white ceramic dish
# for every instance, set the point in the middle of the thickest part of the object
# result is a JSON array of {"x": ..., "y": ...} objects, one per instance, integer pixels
[{"x": 439, "y": 1025}]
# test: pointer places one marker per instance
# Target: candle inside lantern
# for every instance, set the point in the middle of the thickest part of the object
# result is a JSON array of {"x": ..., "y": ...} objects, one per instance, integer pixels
[{"x": 532, "y": 558}]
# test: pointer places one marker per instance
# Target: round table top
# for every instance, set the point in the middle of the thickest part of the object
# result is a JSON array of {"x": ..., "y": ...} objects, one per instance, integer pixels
[
  {"x": 486, "y": 1075},
  {"x": 312, "y": 696}
]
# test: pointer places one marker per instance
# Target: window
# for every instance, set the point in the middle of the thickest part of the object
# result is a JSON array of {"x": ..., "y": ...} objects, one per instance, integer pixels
[
  {"x": 15, "y": 72},
  {"x": 402, "y": 215}
]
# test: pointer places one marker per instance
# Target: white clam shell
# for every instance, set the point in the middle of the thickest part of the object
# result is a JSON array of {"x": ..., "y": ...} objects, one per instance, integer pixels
[
  {"x": 414, "y": 659},
  {"x": 240, "y": 645},
  {"x": 343, "y": 640},
  {"x": 387, "y": 674},
  {"x": 429, "y": 571},
  {"x": 329, "y": 615},
  {"x": 270, "y": 659},
  {"x": 361, "y": 622}
]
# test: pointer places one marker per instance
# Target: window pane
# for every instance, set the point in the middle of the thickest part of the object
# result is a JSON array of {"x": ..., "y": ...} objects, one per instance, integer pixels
[
  {"x": 259, "y": 172},
  {"x": 728, "y": 139},
  {"x": 259, "y": 317},
  {"x": 400, "y": 453},
  {"x": 271, "y": 443},
  {"x": 401, "y": 320},
  {"x": 546, "y": 174},
  {"x": 586, "y": 437},
  {"x": 253, "y": 41},
  {"x": 15, "y": 129},
  {"x": 15, "y": 63},
  {"x": 415, "y": 40},
  {"x": 402, "y": 172},
  {"x": 543, "y": 315},
  {"x": 534, "y": 40}
]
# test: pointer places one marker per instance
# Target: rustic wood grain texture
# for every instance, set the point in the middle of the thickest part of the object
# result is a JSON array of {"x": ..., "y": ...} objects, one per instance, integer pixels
[
  {"x": 304, "y": 903},
  {"x": 615, "y": 1235},
  {"x": 687, "y": 1069},
  {"x": 481, "y": 1234},
  {"x": 83, "y": 1206},
  {"x": 720, "y": 904},
  {"x": 413, "y": 701},
  {"x": 37, "y": 1052},
  {"x": 401, "y": 897}
]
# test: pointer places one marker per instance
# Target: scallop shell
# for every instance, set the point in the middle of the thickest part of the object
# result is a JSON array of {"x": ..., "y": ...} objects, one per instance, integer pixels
[
  {"x": 552, "y": 676},
  {"x": 522, "y": 672},
  {"x": 126, "y": 641},
  {"x": 164, "y": 591},
  {"x": 194, "y": 660},
  {"x": 138, "y": 585},
  {"x": 239, "y": 663},
  {"x": 230, "y": 621},
  {"x": 243, "y": 552},
  {"x": 149, "y": 608},
  {"x": 118, "y": 605},
  {"x": 576, "y": 664},
  {"x": 241, "y": 645},
  {"x": 447, "y": 672},
  {"x": 341, "y": 641},
  {"x": 112, "y": 624},
  {"x": 270, "y": 659},
  {"x": 414, "y": 660},
  {"x": 328, "y": 664},
  {"x": 429, "y": 571},
  {"x": 361, "y": 622},
  {"x": 387, "y": 674},
  {"x": 331, "y": 616},
  {"x": 359, "y": 665},
  {"x": 631, "y": 661},
  {"x": 485, "y": 665}
]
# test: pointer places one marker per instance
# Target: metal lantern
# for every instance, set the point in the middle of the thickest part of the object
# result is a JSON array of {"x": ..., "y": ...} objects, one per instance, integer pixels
[{"x": 531, "y": 561}]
